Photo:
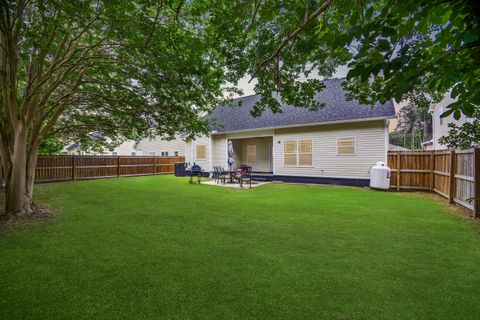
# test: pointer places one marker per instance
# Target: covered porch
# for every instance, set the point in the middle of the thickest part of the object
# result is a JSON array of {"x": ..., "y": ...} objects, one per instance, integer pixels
[{"x": 255, "y": 152}]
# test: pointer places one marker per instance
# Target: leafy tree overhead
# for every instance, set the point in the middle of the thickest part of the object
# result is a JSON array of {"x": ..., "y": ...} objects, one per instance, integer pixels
[
  {"x": 69, "y": 68},
  {"x": 392, "y": 47},
  {"x": 125, "y": 68}
]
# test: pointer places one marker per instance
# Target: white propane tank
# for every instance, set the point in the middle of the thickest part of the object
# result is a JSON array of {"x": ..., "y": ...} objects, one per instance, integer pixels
[{"x": 380, "y": 176}]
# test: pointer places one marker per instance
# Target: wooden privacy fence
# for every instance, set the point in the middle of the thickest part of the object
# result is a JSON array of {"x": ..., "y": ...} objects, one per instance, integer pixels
[
  {"x": 452, "y": 174},
  {"x": 62, "y": 168}
]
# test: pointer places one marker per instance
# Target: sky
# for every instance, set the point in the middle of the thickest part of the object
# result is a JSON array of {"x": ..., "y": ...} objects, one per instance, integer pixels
[{"x": 247, "y": 88}]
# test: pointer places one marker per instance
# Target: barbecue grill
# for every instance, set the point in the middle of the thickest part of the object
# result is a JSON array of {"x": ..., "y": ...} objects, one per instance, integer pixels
[{"x": 195, "y": 171}]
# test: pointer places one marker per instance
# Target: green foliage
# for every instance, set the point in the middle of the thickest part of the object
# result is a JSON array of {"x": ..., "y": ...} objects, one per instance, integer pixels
[
  {"x": 413, "y": 119},
  {"x": 123, "y": 68},
  {"x": 463, "y": 136},
  {"x": 392, "y": 48},
  {"x": 50, "y": 147},
  {"x": 429, "y": 45}
]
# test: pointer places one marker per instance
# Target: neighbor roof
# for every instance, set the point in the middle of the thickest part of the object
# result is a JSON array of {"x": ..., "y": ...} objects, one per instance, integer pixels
[{"x": 230, "y": 118}]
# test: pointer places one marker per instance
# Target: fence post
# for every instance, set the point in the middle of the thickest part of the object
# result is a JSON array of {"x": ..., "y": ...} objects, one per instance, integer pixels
[
  {"x": 74, "y": 167},
  {"x": 118, "y": 166},
  {"x": 154, "y": 165},
  {"x": 399, "y": 157},
  {"x": 453, "y": 157},
  {"x": 432, "y": 171},
  {"x": 476, "y": 182}
]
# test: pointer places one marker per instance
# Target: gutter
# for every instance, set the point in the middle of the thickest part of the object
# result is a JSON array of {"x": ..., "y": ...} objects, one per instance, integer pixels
[{"x": 215, "y": 132}]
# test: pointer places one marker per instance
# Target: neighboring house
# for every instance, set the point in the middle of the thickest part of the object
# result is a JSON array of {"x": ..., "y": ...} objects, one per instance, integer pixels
[
  {"x": 125, "y": 149},
  {"x": 144, "y": 147},
  {"x": 394, "y": 148},
  {"x": 152, "y": 147},
  {"x": 439, "y": 126},
  {"x": 337, "y": 144},
  {"x": 161, "y": 147}
]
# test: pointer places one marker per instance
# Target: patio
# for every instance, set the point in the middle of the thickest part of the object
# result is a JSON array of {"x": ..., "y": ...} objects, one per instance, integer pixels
[{"x": 235, "y": 185}]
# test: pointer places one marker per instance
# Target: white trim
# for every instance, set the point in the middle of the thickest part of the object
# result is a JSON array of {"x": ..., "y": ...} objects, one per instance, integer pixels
[
  {"x": 185, "y": 150},
  {"x": 354, "y": 146},
  {"x": 427, "y": 142},
  {"x": 387, "y": 141},
  {"x": 274, "y": 164},
  {"x": 210, "y": 163},
  {"x": 308, "y": 125},
  {"x": 322, "y": 176}
]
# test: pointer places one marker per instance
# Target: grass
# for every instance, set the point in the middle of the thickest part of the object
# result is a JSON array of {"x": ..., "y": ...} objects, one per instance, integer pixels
[{"x": 159, "y": 248}]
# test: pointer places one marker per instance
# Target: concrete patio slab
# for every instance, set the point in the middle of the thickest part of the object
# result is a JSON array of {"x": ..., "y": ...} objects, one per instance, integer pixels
[{"x": 235, "y": 185}]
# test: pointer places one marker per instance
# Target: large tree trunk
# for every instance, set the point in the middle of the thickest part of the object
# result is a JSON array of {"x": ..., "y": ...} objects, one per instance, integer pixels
[{"x": 18, "y": 192}]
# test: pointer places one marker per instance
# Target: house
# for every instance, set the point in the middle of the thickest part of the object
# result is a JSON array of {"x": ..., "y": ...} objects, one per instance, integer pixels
[
  {"x": 337, "y": 144},
  {"x": 439, "y": 126},
  {"x": 154, "y": 146},
  {"x": 395, "y": 148}
]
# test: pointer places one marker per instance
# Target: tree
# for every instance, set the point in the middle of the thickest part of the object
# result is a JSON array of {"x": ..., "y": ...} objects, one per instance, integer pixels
[
  {"x": 51, "y": 147},
  {"x": 413, "y": 119},
  {"x": 464, "y": 136},
  {"x": 70, "y": 68},
  {"x": 392, "y": 48},
  {"x": 432, "y": 45}
]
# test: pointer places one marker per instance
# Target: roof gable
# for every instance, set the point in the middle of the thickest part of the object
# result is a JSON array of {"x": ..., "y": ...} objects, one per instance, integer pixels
[{"x": 337, "y": 108}]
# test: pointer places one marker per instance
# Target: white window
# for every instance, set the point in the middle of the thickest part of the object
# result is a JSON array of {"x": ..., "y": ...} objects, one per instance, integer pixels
[
  {"x": 201, "y": 152},
  {"x": 346, "y": 146},
  {"x": 151, "y": 153},
  {"x": 176, "y": 153},
  {"x": 166, "y": 153},
  {"x": 114, "y": 153},
  {"x": 298, "y": 153},
  {"x": 134, "y": 153},
  {"x": 251, "y": 153}
]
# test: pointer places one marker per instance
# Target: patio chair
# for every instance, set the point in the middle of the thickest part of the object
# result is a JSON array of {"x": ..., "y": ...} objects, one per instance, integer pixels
[
  {"x": 246, "y": 177},
  {"x": 223, "y": 175},
  {"x": 216, "y": 173}
]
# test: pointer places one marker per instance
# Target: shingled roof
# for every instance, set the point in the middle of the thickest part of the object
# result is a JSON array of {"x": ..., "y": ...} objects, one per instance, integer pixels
[{"x": 229, "y": 118}]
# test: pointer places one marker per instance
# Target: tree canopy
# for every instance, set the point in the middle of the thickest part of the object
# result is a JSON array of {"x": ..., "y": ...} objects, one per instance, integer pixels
[
  {"x": 152, "y": 67},
  {"x": 392, "y": 48},
  {"x": 125, "y": 68}
]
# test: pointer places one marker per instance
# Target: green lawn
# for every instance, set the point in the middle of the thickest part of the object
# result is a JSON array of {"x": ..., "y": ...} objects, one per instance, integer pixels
[{"x": 159, "y": 248}]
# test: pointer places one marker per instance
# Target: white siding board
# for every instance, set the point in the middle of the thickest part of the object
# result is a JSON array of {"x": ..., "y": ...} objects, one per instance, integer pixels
[
  {"x": 370, "y": 147},
  {"x": 219, "y": 151},
  {"x": 159, "y": 145}
]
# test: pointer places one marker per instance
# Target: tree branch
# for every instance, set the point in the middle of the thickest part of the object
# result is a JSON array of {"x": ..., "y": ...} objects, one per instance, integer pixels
[
  {"x": 291, "y": 36},
  {"x": 252, "y": 21}
]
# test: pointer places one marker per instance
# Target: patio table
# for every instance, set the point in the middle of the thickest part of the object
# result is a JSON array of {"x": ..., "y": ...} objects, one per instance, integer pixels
[{"x": 231, "y": 173}]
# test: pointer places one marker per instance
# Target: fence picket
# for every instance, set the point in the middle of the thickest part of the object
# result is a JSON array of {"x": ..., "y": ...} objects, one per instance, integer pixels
[
  {"x": 451, "y": 174},
  {"x": 62, "y": 168}
]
